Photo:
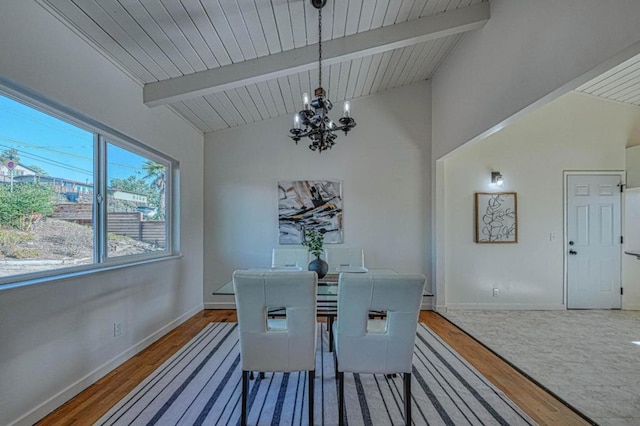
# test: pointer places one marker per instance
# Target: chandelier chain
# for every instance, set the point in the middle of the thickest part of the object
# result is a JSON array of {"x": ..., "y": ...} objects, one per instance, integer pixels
[{"x": 320, "y": 47}]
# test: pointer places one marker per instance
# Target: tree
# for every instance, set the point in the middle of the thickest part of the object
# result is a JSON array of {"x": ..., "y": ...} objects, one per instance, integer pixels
[
  {"x": 27, "y": 203},
  {"x": 10, "y": 153},
  {"x": 157, "y": 173},
  {"x": 39, "y": 170},
  {"x": 130, "y": 184}
]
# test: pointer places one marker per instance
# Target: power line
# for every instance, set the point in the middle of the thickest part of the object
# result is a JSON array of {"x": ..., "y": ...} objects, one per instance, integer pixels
[
  {"x": 65, "y": 153},
  {"x": 30, "y": 145},
  {"x": 53, "y": 162}
]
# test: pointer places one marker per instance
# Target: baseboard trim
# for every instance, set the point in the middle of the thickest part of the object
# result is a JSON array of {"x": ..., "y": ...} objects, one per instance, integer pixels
[
  {"x": 631, "y": 307},
  {"x": 219, "y": 305},
  {"x": 428, "y": 306},
  {"x": 501, "y": 307},
  {"x": 75, "y": 388},
  {"x": 441, "y": 309}
]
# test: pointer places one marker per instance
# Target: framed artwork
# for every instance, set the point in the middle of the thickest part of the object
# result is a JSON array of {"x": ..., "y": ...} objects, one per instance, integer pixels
[
  {"x": 496, "y": 217},
  {"x": 309, "y": 204}
]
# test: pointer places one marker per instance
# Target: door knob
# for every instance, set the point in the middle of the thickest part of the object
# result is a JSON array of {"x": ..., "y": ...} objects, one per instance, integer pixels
[
  {"x": 571, "y": 243},
  {"x": 573, "y": 252}
]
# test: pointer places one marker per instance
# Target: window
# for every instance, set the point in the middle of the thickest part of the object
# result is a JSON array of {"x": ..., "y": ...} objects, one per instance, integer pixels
[
  {"x": 75, "y": 195},
  {"x": 136, "y": 206}
]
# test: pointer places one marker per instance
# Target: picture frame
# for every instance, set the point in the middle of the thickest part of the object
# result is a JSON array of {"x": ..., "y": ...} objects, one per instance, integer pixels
[
  {"x": 310, "y": 205},
  {"x": 496, "y": 217}
]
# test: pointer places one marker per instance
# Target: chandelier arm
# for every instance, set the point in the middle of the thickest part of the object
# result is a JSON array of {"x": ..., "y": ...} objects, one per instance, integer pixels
[{"x": 300, "y": 135}]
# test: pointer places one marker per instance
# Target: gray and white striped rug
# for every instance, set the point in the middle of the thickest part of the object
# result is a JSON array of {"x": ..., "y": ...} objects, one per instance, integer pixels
[{"x": 200, "y": 385}]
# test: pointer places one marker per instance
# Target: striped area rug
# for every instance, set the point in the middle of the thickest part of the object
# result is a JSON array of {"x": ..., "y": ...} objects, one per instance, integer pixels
[{"x": 200, "y": 385}]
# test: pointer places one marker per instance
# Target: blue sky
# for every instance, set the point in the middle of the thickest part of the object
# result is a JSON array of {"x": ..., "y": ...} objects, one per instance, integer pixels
[{"x": 61, "y": 149}]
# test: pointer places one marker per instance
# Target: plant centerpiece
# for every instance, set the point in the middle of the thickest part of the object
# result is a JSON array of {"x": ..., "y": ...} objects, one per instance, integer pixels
[{"x": 314, "y": 240}]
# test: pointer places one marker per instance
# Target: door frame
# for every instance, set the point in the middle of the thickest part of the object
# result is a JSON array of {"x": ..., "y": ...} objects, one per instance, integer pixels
[{"x": 565, "y": 237}]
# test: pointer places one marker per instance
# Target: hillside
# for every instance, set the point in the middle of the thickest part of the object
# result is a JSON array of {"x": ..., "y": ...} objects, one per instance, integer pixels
[{"x": 54, "y": 243}]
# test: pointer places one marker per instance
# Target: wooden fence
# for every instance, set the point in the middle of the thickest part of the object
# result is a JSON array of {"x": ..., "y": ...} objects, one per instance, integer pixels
[
  {"x": 129, "y": 224},
  {"x": 132, "y": 225},
  {"x": 74, "y": 212}
]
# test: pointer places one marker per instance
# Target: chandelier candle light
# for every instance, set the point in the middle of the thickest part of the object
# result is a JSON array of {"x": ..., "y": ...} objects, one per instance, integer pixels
[{"x": 313, "y": 121}]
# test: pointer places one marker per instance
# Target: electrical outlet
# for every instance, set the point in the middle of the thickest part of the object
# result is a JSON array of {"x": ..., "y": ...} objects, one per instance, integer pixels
[
  {"x": 117, "y": 329},
  {"x": 496, "y": 291}
]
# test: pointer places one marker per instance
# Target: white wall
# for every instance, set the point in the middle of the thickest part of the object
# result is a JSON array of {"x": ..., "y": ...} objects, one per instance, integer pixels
[
  {"x": 383, "y": 164},
  {"x": 575, "y": 132},
  {"x": 527, "y": 50},
  {"x": 528, "y": 53},
  {"x": 631, "y": 264},
  {"x": 632, "y": 161},
  {"x": 57, "y": 338}
]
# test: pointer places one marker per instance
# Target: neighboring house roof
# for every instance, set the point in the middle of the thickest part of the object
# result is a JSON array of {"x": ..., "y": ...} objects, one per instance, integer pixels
[{"x": 19, "y": 170}]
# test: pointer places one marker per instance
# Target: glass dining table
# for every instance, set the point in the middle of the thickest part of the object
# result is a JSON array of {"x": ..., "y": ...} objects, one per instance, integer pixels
[{"x": 327, "y": 302}]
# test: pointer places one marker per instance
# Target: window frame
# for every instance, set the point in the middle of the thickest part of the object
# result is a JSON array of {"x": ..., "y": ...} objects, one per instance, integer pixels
[{"x": 102, "y": 136}]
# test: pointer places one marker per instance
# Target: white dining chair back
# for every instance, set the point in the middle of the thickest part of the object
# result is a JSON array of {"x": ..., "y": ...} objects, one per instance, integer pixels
[
  {"x": 378, "y": 346},
  {"x": 276, "y": 345},
  {"x": 289, "y": 259},
  {"x": 344, "y": 259}
]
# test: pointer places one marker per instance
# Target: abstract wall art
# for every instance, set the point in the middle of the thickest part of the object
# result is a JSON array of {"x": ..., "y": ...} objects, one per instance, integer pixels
[
  {"x": 496, "y": 217},
  {"x": 309, "y": 204}
]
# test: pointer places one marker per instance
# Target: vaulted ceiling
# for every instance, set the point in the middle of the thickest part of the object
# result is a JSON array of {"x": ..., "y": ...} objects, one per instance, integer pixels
[
  {"x": 621, "y": 83},
  {"x": 224, "y": 63}
]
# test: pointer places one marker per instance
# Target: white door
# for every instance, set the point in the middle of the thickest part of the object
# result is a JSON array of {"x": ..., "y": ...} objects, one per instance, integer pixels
[{"x": 593, "y": 241}]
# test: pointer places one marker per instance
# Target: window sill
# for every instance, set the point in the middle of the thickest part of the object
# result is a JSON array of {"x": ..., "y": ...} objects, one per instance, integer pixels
[{"x": 88, "y": 270}]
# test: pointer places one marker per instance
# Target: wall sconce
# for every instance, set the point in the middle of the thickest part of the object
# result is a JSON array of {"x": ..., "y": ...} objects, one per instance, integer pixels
[{"x": 496, "y": 177}]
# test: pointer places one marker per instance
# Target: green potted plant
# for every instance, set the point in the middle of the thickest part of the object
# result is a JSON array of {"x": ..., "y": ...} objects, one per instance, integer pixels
[{"x": 314, "y": 240}]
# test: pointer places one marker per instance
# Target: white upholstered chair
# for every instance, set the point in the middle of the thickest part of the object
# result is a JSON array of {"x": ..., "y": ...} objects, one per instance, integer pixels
[
  {"x": 344, "y": 259},
  {"x": 290, "y": 259},
  {"x": 276, "y": 345},
  {"x": 363, "y": 345}
]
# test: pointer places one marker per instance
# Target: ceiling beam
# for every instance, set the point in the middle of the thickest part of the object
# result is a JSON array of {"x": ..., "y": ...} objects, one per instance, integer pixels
[{"x": 305, "y": 58}]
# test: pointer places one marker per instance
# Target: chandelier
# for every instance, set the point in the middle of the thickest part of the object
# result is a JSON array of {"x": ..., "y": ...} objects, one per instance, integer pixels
[{"x": 313, "y": 121}]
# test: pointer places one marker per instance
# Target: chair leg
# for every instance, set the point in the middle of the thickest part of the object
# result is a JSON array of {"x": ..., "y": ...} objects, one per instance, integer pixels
[
  {"x": 341, "y": 398},
  {"x": 260, "y": 375},
  {"x": 330, "y": 330},
  {"x": 310, "y": 378},
  {"x": 407, "y": 398},
  {"x": 245, "y": 391}
]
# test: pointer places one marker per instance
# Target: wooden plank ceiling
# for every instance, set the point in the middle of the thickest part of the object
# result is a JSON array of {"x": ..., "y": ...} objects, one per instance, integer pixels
[
  {"x": 224, "y": 63},
  {"x": 621, "y": 83}
]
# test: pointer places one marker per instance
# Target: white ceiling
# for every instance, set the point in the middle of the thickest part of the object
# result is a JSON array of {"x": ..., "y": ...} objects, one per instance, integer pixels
[
  {"x": 621, "y": 83},
  {"x": 224, "y": 63}
]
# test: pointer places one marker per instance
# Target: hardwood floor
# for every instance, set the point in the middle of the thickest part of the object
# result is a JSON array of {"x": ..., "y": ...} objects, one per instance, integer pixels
[{"x": 92, "y": 403}]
